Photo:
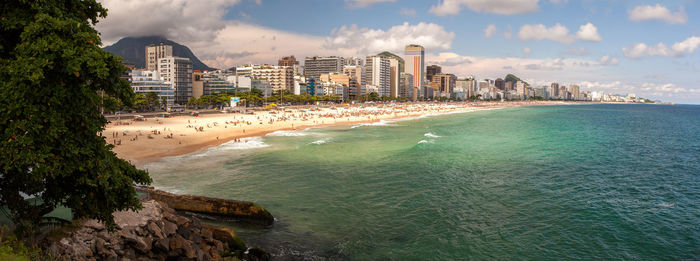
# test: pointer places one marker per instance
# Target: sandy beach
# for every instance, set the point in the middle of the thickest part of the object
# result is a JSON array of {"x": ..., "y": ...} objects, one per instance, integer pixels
[{"x": 141, "y": 142}]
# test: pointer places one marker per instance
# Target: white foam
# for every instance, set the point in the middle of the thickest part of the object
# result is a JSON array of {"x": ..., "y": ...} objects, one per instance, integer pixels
[
  {"x": 666, "y": 205},
  {"x": 425, "y": 141},
  {"x": 379, "y": 123},
  {"x": 285, "y": 133},
  {"x": 243, "y": 144},
  {"x": 431, "y": 135},
  {"x": 321, "y": 141}
]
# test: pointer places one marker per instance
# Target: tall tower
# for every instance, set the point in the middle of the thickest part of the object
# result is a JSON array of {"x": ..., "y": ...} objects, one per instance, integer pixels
[
  {"x": 154, "y": 53},
  {"x": 415, "y": 63}
]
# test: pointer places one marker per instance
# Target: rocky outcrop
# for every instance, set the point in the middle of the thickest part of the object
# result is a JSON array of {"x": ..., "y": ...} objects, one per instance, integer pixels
[
  {"x": 241, "y": 210},
  {"x": 154, "y": 233}
]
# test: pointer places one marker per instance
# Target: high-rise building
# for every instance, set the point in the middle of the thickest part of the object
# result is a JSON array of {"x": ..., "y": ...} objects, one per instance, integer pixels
[
  {"x": 396, "y": 67},
  {"x": 154, "y": 53},
  {"x": 432, "y": 70},
  {"x": 444, "y": 83},
  {"x": 407, "y": 90},
  {"x": 178, "y": 72},
  {"x": 352, "y": 61},
  {"x": 291, "y": 62},
  {"x": 563, "y": 94},
  {"x": 143, "y": 82},
  {"x": 378, "y": 74},
  {"x": 279, "y": 77},
  {"x": 555, "y": 90},
  {"x": 315, "y": 66},
  {"x": 500, "y": 84},
  {"x": 414, "y": 56},
  {"x": 574, "y": 90},
  {"x": 197, "y": 84},
  {"x": 354, "y": 71}
]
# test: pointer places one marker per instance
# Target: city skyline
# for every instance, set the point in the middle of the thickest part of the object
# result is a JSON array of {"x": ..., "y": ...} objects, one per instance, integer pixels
[{"x": 597, "y": 46}]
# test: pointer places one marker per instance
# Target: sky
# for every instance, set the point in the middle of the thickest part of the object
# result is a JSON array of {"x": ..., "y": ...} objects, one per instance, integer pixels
[{"x": 649, "y": 48}]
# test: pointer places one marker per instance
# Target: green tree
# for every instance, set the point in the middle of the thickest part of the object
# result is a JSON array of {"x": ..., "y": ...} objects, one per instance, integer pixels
[
  {"x": 51, "y": 69},
  {"x": 152, "y": 100}
]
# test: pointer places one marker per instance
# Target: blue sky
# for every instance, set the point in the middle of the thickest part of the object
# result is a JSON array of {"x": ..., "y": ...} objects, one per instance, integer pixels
[{"x": 545, "y": 43}]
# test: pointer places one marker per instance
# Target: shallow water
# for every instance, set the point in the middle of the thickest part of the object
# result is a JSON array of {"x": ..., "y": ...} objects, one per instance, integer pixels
[{"x": 542, "y": 182}]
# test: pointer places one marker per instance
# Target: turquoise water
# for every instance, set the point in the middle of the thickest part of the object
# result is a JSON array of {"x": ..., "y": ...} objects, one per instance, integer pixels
[{"x": 543, "y": 182}]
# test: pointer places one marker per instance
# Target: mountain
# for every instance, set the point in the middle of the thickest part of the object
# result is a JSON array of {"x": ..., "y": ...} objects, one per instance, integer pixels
[
  {"x": 512, "y": 78},
  {"x": 133, "y": 49}
]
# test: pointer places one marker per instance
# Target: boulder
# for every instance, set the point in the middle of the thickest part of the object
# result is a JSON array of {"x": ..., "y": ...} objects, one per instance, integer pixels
[
  {"x": 226, "y": 236},
  {"x": 243, "y": 210}
]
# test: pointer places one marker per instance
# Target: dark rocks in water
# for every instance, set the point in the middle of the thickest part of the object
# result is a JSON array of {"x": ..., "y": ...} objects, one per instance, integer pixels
[
  {"x": 242, "y": 210},
  {"x": 154, "y": 233}
]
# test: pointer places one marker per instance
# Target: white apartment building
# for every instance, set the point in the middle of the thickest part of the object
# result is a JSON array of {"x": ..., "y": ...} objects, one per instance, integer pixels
[
  {"x": 144, "y": 81},
  {"x": 178, "y": 72},
  {"x": 154, "y": 53},
  {"x": 377, "y": 73}
]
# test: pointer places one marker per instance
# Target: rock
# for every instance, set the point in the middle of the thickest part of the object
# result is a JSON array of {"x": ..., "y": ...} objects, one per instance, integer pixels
[
  {"x": 242, "y": 210},
  {"x": 94, "y": 224},
  {"x": 179, "y": 244},
  {"x": 169, "y": 228},
  {"x": 226, "y": 236},
  {"x": 162, "y": 244},
  {"x": 151, "y": 210},
  {"x": 100, "y": 247},
  {"x": 155, "y": 230},
  {"x": 137, "y": 242},
  {"x": 152, "y": 233},
  {"x": 257, "y": 254}
]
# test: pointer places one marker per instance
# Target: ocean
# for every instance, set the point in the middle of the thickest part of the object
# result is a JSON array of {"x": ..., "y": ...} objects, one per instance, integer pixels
[{"x": 542, "y": 182}]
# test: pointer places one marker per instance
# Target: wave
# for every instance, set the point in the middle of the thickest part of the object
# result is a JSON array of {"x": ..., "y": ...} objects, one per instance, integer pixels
[
  {"x": 425, "y": 141},
  {"x": 286, "y": 133},
  {"x": 321, "y": 141},
  {"x": 379, "y": 123},
  {"x": 244, "y": 144},
  {"x": 666, "y": 205},
  {"x": 431, "y": 135}
]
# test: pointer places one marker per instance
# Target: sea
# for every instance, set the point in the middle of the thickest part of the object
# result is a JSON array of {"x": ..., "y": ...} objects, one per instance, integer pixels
[{"x": 592, "y": 182}]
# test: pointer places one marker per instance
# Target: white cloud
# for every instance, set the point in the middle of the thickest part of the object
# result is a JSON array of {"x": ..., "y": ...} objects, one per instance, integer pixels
[
  {"x": 364, "y": 3},
  {"x": 527, "y": 50},
  {"x": 557, "y": 33},
  {"x": 367, "y": 41},
  {"x": 490, "y": 30},
  {"x": 588, "y": 32},
  {"x": 657, "y": 12},
  {"x": 678, "y": 49},
  {"x": 608, "y": 60},
  {"x": 410, "y": 12},
  {"x": 184, "y": 20},
  {"x": 503, "y": 7}
]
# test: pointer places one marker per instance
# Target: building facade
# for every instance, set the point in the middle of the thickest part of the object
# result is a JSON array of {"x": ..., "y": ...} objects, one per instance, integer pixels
[
  {"x": 144, "y": 82},
  {"x": 431, "y": 71},
  {"x": 154, "y": 53},
  {"x": 178, "y": 72},
  {"x": 378, "y": 73},
  {"x": 279, "y": 77},
  {"x": 414, "y": 56},
  {"x": 315, "y": 66}
]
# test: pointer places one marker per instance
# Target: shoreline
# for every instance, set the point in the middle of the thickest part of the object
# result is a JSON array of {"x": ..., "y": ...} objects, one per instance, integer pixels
[{"x": 143, "y": 148}]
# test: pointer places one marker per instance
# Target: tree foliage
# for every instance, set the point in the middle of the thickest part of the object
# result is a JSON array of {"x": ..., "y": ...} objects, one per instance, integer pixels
[{"x": 51, "y": 70}]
